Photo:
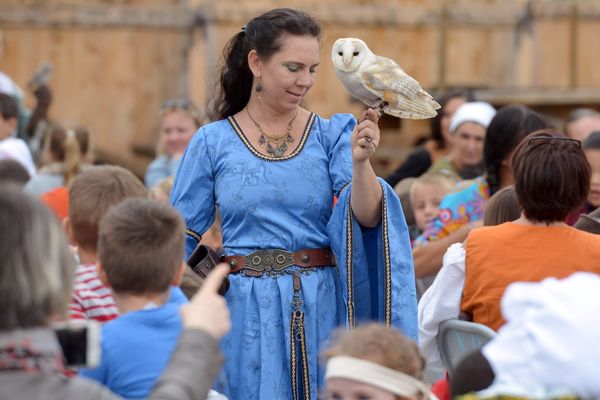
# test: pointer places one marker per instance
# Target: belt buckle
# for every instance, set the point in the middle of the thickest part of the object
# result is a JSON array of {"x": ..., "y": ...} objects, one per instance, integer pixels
[{"x": 266, "y": 261}]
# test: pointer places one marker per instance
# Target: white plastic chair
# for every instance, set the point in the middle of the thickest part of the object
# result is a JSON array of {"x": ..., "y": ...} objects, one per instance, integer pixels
[{"x": 457, "y": 339}]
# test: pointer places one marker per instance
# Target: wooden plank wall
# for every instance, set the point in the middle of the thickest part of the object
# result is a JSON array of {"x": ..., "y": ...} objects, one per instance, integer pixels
[
  {"x": 117, "y": 60},
  {"x": 105, "y": 80}
]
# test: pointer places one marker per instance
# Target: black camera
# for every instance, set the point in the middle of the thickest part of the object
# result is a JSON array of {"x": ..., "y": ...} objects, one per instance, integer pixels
[{"x": 80, "y": 342}]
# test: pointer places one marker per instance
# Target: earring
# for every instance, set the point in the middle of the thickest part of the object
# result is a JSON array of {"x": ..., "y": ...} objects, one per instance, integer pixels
[{"x": 258, "y": 89}]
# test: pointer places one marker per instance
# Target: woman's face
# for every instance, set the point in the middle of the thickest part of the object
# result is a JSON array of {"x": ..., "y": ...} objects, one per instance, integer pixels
[
  {"x": 176, "y": 130},
  {"x": 290, "y": 73},
  {"x": 593, "y": 157},
  {"x": 346, "y": 389},
  {"x": 468, "y": 144},
  {"x": 447, "y": 113}
]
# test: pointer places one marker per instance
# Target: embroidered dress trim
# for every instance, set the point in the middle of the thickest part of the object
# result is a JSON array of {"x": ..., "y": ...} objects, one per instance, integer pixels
[
  {"x": 337, "y": 194},
  {"x": 258, "y": 154},
  {"x": 388, "y": 268},
  {"x": 193, "y": 234},
  {"x": 350, "y": 268},
  {"x": 298, "y": 340}
]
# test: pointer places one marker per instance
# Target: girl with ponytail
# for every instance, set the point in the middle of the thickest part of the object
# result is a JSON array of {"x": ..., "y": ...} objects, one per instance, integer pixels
[{"x": 62, "y": 158}]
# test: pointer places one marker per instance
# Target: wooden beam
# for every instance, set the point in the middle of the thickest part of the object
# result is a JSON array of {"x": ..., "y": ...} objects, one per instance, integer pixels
[
  {"x": 539, "y": 96},
  {"x": 573, "y": 56},
  {"x": 100, "y": 16},
  {"x": 389, "y": 14}
]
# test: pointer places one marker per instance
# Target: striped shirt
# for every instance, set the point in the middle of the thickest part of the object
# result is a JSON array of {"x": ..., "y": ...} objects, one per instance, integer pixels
[{"x": 91, "y": 299}]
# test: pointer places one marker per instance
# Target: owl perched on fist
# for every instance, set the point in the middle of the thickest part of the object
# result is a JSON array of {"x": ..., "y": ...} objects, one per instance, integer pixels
[{"x": 379, "y": 82}]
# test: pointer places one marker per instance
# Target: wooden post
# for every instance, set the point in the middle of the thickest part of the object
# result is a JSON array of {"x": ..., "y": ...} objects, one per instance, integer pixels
[
  {"x": 441, "y": 84},
  {"x": 574, "y": 36}
]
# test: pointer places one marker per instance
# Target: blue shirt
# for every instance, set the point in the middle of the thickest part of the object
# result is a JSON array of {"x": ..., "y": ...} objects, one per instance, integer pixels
[{"x": 136, "y": 348}]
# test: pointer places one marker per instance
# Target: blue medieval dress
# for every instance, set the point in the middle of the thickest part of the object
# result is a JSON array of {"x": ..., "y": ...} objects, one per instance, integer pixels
[{"x": 286, "y": 203}]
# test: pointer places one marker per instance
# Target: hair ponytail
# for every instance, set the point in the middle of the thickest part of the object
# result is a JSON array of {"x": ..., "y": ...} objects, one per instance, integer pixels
[
  {"x": 72, "y": 160},
  {"x": 508, "y": 127},
  {"x": 68, "y": 148},
  {"x": 235, "y": 79}
]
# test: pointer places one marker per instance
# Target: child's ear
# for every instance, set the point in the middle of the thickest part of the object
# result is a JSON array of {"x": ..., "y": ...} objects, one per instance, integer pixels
[
  {"x": 102, "y": 275},
  {"x": 179, "y": 274}
]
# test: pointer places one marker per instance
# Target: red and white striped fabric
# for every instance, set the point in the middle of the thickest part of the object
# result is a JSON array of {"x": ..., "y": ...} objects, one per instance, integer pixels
[{"x": 91, "y": 299}]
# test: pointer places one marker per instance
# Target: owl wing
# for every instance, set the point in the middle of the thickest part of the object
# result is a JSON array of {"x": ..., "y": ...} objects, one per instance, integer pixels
[
  {"x": 385, "y": 75},
  {"x": 403, "y": 94}
]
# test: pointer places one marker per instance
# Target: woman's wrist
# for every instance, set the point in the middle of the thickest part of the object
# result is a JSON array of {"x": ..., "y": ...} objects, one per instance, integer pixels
[{"x": 361, "y": 164}]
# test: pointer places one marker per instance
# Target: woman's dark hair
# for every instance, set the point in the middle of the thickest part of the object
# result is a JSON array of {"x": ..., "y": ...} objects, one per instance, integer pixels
[
  {"x": 552, "y": 176},
  {"x": 436, "y": 128},
  {"x": 472, "y": 374},
  {"x": 592, "y": 142},
  {"x": 508, "y": 127},
  {"x": 12, "y": 171},
  {"x": 262, "y": 34},
  {"x": 8, "y": 106}
]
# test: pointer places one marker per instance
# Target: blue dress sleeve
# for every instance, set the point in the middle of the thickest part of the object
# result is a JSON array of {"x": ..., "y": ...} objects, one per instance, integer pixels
[
  {"x": 336, "y": 134},
  {"x": 193, "y": 193},
  {"x": 375, "y": 265}
]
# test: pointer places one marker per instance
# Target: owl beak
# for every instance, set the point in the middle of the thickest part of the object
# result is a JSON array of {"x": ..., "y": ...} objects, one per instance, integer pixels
[{"x": 346, "y": 58}]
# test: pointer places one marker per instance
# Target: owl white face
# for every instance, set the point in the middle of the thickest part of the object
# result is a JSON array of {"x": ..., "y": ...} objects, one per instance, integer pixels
[{"x": 348, "y": 54}]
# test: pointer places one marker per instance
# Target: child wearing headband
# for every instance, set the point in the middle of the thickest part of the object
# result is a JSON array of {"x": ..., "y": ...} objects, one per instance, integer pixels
[{"x": 376, "y": 362}]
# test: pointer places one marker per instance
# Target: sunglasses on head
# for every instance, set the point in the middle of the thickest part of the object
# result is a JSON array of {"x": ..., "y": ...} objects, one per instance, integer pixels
[
  {"x": 178, "y": 103},
  {"x": 553, "y": 139}
]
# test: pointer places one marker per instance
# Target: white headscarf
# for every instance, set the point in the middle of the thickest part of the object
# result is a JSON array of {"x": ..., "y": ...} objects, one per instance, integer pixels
[
  {"x": 550, "y": 344},
  {"x": 478, "y": 112}
]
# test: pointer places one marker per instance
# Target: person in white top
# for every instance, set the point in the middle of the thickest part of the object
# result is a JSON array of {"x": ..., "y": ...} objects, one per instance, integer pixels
[
  {"x": 442, "y": 300},
  {"x": 11, "y": 147}
]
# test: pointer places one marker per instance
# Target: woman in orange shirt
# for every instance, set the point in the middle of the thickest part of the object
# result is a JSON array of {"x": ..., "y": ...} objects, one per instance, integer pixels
[{"x": 552, "y": 178}]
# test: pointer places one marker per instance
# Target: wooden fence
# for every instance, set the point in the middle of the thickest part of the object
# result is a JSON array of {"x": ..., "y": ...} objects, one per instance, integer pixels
[{"x": 116, "y": 61}]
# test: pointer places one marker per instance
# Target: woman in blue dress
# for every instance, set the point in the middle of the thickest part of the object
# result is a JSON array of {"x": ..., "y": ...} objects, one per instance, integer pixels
[{"x": 300, "y": 267}]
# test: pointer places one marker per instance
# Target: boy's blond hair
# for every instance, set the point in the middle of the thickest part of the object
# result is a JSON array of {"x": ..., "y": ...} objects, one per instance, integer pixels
[
  {"x": 92, "y": 193},
  {"x": 435, "y": 179}
]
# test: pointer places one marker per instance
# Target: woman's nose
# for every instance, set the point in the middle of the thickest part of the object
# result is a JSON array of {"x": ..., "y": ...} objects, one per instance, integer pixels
[{"x": 305, "y": 79}]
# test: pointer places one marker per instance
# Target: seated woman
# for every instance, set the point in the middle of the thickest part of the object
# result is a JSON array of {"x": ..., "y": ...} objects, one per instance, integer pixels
[
  {"x": 468, "y": 127},
  {"x": 552, "y": 178},
  {"x": 462, "y": 211},
  {"x": 36, "y": 274},
  {"x": 179, "y": 120},
  {"x": 376, "y": 362}
]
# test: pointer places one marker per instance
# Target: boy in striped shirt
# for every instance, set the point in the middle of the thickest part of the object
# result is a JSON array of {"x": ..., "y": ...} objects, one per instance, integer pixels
[{"x": 91, "y": 194}]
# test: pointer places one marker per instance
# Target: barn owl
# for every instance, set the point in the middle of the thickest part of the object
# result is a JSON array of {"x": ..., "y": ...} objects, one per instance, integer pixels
[{"x": 379, "y": 82}]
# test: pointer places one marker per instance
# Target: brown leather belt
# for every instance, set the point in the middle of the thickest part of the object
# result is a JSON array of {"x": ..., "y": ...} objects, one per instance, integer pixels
[{"x": 275, "y": 260}]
